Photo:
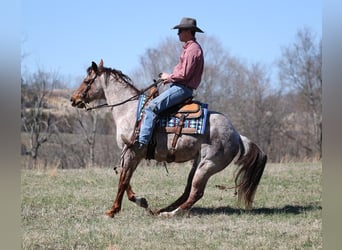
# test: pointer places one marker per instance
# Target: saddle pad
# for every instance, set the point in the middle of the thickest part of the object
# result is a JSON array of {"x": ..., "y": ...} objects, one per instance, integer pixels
[{"x": 169, "y": 123}]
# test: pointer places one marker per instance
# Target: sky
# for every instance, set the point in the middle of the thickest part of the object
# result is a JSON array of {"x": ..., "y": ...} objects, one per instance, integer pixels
[{"x": 64, "y": 37}]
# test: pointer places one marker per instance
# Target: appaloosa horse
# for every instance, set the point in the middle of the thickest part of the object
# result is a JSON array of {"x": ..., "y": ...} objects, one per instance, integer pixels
[{"x": 211, "y": 152}]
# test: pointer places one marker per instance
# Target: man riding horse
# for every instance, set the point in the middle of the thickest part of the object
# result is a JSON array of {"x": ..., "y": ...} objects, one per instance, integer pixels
[{"x": 211, "y": 150}]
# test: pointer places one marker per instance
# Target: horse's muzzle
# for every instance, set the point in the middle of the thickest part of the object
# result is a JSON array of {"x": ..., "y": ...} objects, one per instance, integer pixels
[{"x": 78, "y": 103}]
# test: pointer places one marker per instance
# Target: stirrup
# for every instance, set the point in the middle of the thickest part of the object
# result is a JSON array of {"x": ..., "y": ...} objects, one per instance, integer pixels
[{"x": 128, "y": 142}]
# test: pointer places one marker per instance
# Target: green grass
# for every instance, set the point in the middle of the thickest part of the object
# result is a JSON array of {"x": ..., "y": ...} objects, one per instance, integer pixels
[{"x": 65, "y": 210}]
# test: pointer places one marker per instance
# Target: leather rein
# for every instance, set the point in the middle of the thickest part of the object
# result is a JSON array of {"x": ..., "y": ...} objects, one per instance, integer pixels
[{"x": 105, "y": 105}]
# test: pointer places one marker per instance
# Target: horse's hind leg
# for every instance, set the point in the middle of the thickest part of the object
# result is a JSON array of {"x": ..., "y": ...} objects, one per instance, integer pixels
[
  {"x": 186, "y": 193},
  {"x": 201, "y": 176}
]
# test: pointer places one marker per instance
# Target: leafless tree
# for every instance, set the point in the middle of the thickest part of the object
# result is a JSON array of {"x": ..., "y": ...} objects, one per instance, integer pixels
[
  {"x": 35, "y": 117},
  {"x": 300, "y": 70},
  {"x": 87, "y": 127},
  {"x": 156, "y": 60}
]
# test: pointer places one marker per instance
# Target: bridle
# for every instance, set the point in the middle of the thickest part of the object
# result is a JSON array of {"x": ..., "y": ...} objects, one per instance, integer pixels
[
  {"x": 105, "y": 105},
  {"x": 89, "y": 83}
]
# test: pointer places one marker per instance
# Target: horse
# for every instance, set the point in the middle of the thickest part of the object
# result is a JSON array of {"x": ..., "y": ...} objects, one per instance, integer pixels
[{"x": 210, "y": 152}]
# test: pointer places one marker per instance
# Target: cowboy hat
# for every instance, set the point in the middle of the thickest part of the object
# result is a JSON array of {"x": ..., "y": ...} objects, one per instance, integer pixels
[{"x": 188, "y": 23}]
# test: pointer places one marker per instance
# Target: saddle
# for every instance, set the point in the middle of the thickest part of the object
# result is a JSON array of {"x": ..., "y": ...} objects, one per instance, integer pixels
[
  {"x": 190, "y": 108},
  {"x": 193, "y": 109},
  {"x": 183, "y": 114}
]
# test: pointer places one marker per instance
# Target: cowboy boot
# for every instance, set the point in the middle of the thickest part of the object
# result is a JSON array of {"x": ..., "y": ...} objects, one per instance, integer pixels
[{"x": 136, "y": 146}]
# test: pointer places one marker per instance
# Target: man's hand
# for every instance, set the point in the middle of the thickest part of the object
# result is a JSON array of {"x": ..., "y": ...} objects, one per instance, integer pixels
[{"x": 164, "y": 77}]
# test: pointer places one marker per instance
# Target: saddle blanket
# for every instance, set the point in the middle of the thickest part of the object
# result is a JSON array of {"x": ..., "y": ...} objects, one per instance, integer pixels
[{"x": 168, "y": 123}]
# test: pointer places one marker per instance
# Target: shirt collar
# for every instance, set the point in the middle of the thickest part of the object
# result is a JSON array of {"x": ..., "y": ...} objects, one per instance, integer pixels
[{"x": 187, "y": 44}]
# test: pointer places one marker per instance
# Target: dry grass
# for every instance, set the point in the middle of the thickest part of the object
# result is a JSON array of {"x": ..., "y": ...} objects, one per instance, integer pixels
[{"x": 65, "y": 210}]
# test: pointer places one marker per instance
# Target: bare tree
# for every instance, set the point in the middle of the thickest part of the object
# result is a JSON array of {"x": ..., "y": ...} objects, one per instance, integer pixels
[
  {"x": 300, "y": 70},
  {"x": 36, "y": 120},
  {"x": 157, "y": 60},
  {"x": 253, "y": 105},
  {"x": 88, "y": 129}
]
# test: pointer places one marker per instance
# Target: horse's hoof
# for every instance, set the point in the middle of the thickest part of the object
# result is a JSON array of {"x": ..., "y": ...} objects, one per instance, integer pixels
[
  {"x": 143, "y": 203},
  {"x": 177, "y": 212},
  {"x": 110, "y": 213},
  {"x": 166, "y": 214}
]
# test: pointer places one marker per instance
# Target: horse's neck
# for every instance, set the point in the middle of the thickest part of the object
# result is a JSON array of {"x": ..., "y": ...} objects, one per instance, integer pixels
[
  {"x": 123, "y": 115},
  {"x": 117, "y": 92}
]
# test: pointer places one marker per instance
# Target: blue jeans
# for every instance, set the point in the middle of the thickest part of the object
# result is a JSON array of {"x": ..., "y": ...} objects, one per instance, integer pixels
[{"x": 176, "y": 94}]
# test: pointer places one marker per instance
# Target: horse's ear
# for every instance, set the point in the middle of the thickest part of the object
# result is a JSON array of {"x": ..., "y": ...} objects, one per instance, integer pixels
[
  {"x": 101, "y": 65},
  {"x": 94, "y": 66}
]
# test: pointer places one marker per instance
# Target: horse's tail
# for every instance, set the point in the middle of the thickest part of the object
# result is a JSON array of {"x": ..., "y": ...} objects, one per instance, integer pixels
[{"x": 251, "y": 162}]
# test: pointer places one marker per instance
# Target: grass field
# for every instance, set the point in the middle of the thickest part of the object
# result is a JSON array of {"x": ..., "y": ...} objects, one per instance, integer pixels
[{"x": 64, "y": 209}]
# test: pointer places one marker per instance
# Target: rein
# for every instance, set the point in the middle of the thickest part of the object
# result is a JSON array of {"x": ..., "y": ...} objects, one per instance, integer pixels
[{"x": 135, "y": 97}]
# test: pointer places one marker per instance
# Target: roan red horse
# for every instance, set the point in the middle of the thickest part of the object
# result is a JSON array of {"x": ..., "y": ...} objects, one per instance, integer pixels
[{"x": 211, "y": 152}]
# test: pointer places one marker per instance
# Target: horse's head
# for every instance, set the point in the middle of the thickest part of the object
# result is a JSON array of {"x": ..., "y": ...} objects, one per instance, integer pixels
[{"x": 90, "y": 89}]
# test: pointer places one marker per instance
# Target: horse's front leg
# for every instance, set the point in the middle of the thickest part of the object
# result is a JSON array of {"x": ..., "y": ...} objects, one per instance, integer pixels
[
  {"x": 125, "y": 177},
  {"x": 130, "y": 163},
  {"x": 140, "y": 201}
]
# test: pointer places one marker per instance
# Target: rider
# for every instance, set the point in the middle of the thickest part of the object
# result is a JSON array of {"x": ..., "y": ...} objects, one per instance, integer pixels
[{"x": 186, "y": 77}]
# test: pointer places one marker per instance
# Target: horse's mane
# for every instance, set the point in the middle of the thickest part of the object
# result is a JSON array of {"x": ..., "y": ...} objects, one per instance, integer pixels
[{"x": 119, "y": 76}]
